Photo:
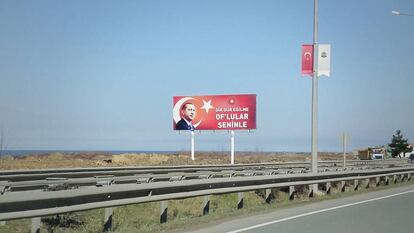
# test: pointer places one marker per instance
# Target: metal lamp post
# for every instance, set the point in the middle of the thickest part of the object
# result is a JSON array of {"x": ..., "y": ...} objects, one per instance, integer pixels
[{"x": 314, "y": 137}]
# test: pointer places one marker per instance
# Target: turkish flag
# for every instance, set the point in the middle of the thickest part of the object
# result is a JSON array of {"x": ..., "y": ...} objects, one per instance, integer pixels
[{"x": 307, "y": 60}]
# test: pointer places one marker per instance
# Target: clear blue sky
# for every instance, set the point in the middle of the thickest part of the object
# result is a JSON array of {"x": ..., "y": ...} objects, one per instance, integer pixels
[{"x": 100, "y": 75}]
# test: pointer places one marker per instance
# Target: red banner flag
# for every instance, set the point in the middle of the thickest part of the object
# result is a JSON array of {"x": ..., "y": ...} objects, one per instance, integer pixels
[{"x": 307, "y": 60}]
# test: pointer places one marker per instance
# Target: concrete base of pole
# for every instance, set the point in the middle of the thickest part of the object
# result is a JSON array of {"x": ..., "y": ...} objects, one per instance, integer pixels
[{"x": 35, "y": 225}]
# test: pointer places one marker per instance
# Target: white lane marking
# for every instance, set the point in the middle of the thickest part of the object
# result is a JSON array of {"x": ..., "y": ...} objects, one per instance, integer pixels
[{"x": 316, "y": 212}]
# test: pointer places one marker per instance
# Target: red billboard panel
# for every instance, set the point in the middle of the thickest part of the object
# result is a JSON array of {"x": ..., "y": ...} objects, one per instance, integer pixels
[{"x": 214, "y": 112}]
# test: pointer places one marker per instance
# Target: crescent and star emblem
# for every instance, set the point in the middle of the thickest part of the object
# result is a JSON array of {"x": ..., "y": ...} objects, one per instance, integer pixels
[{"x": 307, "y": 56}]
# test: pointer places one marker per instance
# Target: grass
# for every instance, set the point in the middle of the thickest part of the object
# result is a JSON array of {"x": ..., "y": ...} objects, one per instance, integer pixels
[{"x": 182, "y": 214}]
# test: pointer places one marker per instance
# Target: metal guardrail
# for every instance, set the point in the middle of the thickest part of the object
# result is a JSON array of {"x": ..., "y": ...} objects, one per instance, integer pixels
[
  {"x": 37, "y": 174},
  {"x": 42, "y": 203},
  {"x": 169, "y": 174}
]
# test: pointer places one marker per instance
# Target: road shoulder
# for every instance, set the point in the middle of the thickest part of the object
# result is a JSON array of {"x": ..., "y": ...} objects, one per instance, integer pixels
[{"x": 241, "y": 222}]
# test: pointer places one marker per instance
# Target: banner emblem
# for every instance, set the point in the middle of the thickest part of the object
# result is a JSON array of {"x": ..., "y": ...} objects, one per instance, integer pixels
[{"x": 324, "y": 59}]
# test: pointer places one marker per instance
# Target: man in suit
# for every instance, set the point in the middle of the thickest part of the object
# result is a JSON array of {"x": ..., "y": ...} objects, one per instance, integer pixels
[{"x": 188, "y": 112}]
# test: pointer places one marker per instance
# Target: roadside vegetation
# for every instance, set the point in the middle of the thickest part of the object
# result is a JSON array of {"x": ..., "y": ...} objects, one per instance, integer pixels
[
  {"x": 100, "y": 159},
  {"x": 399, "y": 145}
]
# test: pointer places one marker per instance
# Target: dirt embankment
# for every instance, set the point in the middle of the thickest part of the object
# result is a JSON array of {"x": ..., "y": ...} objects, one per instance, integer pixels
[{"x": 101, "y": 159}]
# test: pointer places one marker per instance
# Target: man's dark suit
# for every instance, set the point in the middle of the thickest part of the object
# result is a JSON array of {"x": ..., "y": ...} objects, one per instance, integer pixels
[{"x": 182, "y": 125}]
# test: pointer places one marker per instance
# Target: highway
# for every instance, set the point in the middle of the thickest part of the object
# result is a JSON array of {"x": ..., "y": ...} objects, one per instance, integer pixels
[{"x": 377, "y": 212}]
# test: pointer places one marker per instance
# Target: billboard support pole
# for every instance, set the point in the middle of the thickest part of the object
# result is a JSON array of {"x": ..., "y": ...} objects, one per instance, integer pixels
[
  {"x": 232, "y": 147},
  {"x": 192, "y": 145},
  {"x": 344, "y": 144}
]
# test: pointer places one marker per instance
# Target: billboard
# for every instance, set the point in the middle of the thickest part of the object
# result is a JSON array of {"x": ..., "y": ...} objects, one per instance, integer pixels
[{"x": 214, "y": 112}]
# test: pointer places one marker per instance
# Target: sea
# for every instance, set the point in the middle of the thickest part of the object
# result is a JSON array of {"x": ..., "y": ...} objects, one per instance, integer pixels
[{"x": 16, "y": 153}]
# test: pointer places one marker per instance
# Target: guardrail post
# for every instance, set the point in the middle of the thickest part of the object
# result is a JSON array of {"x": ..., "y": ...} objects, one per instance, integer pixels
[
  {"x": 206, "y": 205},
  {"x": 291, "y": 192},
  {"x": 328, "y": 187},
  {"x": 240, "y": 200},
  {"x": 108, "y": 220},
  {"x": 387, "y": 180},
  {"x": 2, "y": 223},
  {"x": 343, "y": 183},
  {"x": 356, "y": 184},
  {"x": 367, "y": 183},
  {"x": 163, "y": 211},
  {"x": 310, "y": 193},
  {"x": 268, "y": 195},
  {"x": 35, "y": 225},
  {"x": 395, "y": 179},
  {"x": 377, "y": 181},
  {"x": 409, "y": 176},
  {"x": 402, "y": 176}
]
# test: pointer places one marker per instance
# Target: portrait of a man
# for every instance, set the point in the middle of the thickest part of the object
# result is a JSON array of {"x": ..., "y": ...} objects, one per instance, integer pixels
[{"x": 188, "y": 113}]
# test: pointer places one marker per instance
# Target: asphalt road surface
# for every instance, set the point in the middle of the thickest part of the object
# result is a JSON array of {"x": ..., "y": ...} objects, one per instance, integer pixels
[{"x": 383, "y": 211}]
